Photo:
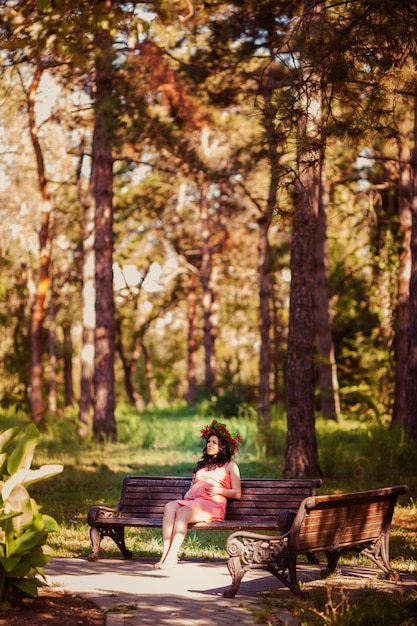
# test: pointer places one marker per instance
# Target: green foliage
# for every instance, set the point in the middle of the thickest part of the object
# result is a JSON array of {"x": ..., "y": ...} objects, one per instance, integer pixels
[
  {"x": 360, "y": 456},
  {"x": 234, "y": 402},
  {"x": 23, "y": 529}
]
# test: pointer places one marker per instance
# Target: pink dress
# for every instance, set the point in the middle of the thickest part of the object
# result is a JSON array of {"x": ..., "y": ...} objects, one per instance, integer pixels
[{"x": 208, "y": 508}]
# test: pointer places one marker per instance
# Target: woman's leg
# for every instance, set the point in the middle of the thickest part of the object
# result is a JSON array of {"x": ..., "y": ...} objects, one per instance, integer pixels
[
  {"x": 167, "y": 528},
  {"x": 174, "y": 529}
]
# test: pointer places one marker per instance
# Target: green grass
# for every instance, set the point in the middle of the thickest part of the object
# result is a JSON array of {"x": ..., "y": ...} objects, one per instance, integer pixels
[{"x": 353, "y": 456}]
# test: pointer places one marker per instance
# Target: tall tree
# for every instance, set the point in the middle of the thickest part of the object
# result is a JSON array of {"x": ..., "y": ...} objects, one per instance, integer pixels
[
  {"x": 405, "y": 199},
  {"x": 411, "y": 414},
  {"x": 102, "y": 182},
  {"x": 88, "y": 302},
  {"x": 326, "y": 363},
  {"x": 301, "y": 452},
  {"x": 38, "y": 300}
]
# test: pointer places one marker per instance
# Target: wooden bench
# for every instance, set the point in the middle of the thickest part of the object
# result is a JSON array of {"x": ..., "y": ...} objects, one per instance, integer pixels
[
  {"x": 267, "y": 504},
  {"x": 331, "y": 524}
]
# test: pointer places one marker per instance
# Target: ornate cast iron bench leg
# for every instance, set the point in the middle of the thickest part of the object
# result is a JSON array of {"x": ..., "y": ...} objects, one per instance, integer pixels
[
  {"x": 116, "y": 534},
  {"x": 253, "y": 551},
  {"x": 378, "y": 553},
  {"x": 95, "y": 537},
  {"x": 237, "y": 572}
]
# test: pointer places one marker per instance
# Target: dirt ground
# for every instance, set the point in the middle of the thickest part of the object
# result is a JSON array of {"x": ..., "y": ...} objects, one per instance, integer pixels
[{"x": 54, "y": 608}]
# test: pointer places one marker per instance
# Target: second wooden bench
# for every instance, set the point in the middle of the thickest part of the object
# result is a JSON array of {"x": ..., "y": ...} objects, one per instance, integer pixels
[
  {"x": 333, "y": 524},
  {"x": 267, "y": 504}
]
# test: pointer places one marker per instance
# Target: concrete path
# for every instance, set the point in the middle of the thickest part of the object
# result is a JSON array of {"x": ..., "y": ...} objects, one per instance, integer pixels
[{"x": 133, "y": 593}]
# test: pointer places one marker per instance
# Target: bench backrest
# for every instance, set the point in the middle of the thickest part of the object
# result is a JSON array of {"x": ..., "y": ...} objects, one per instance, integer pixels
[
  {"x": 342, "y": 520},
  {"x": 146, "y": 496}
]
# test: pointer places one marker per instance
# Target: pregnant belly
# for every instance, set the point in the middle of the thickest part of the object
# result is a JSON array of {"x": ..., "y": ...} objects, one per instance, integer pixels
[{"x": 198, "y": 490}]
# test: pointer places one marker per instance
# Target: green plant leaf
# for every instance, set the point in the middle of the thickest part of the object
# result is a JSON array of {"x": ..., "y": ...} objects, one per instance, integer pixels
[
  {"x": 9, "y": 563},
  {"x": 21, "y": 569},
  {"x": 50, "y": 524},
  {"x": 28, "y": 587},
  {"x": 11, "y": 486},
  {"x": 38, "y": 559},
  {"x": 3, "y": 462},
  {"x": 7, "y": 436},
  {"x": 7, "y": 516},
  {"x": 10, "y": 542},
  {"x": 45, "y": 471},
  {"x": 29, "y": 540},
  {"x": 22, "y": 455},
  {"x": 27, "y": 477},
  {"x": 19, "y": 500}
]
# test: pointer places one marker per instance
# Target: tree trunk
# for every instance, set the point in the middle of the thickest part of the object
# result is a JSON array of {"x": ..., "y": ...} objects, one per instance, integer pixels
[
  {"x": 276, "y": 348},
  {"x": 85, "y": 416},
  {"x": 404, "y": 273},
  {"x": 104, "y": 425},
  {"x": 88, "y": 317},
  {"x": 127, "y": 364},
  {"x": 150, "y": 378},
  {"x": 52, "y": 399},
  {"x": 192, "y": 336},
  {"x": 326, "y": 364},
  {"x": 264, "y": 252},
  {"x": 38, "y": 300},
  {"x": 68, "y": 353},
  {"x": 301, "y": 452},
  {"x": 208, "y": 294},
  {"x": 411, "y": 415}
]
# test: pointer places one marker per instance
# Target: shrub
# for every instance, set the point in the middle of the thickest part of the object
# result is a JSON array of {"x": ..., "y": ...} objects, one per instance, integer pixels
[{"x": 23, "y": 529}]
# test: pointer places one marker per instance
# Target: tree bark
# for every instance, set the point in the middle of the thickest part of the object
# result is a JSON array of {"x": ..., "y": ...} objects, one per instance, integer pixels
[
  {"x": 39, "y": 295},
  {"x": 85, "y": 415},
  {"x": 399, "y": 415},
  {"x": 104, "y": 425},
  {"x": 52, "y": 395},
  {"x": 264, "y": 252},
  {"x": 208, "y": 294},
  {"x": 68, "y": 354},
  {"x": 326, "y": 363},
  {"x": 192, "y": 336},
  {"x": 411, "y": 415},
  {"x": 301, "y": 452}
]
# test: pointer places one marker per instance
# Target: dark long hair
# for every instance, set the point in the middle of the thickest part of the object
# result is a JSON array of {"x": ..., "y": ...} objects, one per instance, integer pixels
[{"x": 211, "y": 462}]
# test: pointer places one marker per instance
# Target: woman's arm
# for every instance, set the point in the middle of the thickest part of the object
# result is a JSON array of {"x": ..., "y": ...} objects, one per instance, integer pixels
[{"x": 235, "y": 491}]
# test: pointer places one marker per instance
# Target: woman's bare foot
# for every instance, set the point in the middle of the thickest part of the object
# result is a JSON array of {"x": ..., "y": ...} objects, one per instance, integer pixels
[{"x": 168, "y": 564}]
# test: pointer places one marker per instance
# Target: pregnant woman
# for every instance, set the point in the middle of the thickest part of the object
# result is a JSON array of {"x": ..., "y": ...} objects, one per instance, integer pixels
[{"x": 216, "y": 478}]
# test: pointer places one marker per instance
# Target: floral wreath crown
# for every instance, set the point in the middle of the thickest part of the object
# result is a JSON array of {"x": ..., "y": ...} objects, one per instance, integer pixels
[{"x": 216, "y": 428}]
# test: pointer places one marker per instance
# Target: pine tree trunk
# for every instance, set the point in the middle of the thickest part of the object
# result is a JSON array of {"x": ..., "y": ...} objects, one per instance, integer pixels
[
  {"x": 39, "y": 294},
  {"x": 68, "y": 353},
  {"x": 264, "y": 252},
  {"x": 276, "y": 349},
  {"x": 208, "y": 294},
  {"x": 52, "y": 396},
  {"x": 104, "y": 425},
  {"x": 264, "y": 400},
  {"x": 88, "y": 316},
  {"x": 192, "y": 337},
  {"x": 411, "y": 415},
  {"x": 404, "y": 273},
  {"x": 301, "y": 452},
  {"x": 326, "y": 364}
]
